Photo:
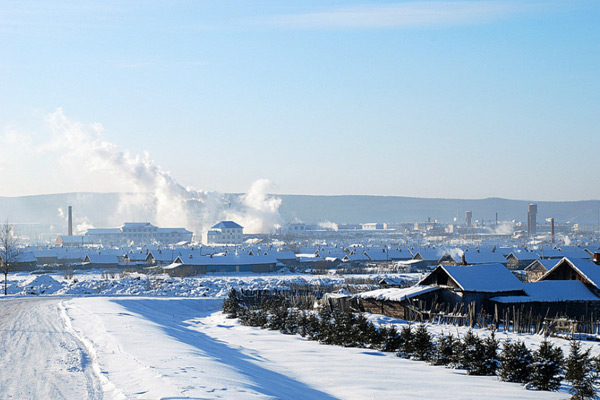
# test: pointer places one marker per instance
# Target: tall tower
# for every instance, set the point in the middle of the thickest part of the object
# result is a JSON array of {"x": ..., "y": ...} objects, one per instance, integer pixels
[
  {"x": 531, "y": 216},
  {"x": 468, "y": 217},
  {"x": 70, "y": 221}
]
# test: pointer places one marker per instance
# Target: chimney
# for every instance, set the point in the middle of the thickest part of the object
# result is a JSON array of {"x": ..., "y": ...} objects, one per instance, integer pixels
[
  {"x": 463, "y": 260},
  {"x": 70, "y": 221}
]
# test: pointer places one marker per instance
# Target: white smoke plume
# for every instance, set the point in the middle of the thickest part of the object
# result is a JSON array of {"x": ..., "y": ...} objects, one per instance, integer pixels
[
  {"x": 329, "y": 225},
  {"x": 504, "y": 228},
  {"x": 456, "y": 253},
  {"x": 82, "y": 225},
  {"x": 61, "y": 214},
  {"x": 152, "y": 191}
]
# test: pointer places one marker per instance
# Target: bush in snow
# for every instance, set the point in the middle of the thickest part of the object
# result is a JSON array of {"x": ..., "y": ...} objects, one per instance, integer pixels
[
  {"x": 547, "y": 367},
  {"x": 515, "y": 362},
  {"x": 581, "y": 372},
  {"x": 422, "y": 343}
]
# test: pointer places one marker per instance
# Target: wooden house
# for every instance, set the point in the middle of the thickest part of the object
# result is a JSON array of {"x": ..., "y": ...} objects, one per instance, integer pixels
[
  {"x": 473, "y": 283},
  {"x": 536, "y": 269}
]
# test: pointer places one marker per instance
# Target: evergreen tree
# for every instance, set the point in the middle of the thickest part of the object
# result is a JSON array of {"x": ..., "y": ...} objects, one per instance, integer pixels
[
  {"x": 231, "y": 305},
  {"x": 471, "y": 353},
  {"x": 581, "y": 372},
  {"x": 489, "y": 363},
  {"x": 445, "y": 349},
  {"x": 291, "y": 322},
  {"x": 406, "y": 342},
  {"x": 260, "y": 318},
  {"x": 326, "y": 333},
  {"x": 389, "y": 339},
  {"x": 366, "y": 333},
  {"x": 277, "y": 317},
  {"x": 547, "y": 366},
  {"x": 313, "y": 327},
  {"x": 515, "y": 362},
  {"x": 302, "y": 321},
  {"x": 422, "y": 344}
]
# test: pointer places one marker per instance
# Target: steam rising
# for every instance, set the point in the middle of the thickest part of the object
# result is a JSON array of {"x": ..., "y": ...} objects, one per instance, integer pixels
[{"x": 152, "y": 192}]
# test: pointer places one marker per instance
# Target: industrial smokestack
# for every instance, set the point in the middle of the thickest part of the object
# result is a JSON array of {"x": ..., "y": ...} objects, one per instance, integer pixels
[{"x": 70, "y": 221}]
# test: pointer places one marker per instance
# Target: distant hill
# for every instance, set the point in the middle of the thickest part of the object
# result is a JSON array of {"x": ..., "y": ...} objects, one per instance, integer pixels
[{"x": 100, "y": 209}]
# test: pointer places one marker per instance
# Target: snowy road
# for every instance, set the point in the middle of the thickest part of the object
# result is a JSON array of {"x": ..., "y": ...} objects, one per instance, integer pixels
[{"x": 39, "y": 358}]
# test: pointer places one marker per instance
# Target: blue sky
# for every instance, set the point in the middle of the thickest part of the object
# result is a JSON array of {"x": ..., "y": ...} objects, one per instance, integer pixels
[{"x": 465, "y": 99}]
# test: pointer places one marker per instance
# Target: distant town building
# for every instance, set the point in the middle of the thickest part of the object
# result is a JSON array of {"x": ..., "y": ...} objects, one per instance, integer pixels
[
  {"x": 531, "y": 219},
  {"x": 139, "y": 233},
  {"x": 468, "y": 218},
  {"x": 72, "y": 240},
  {"x": 225, "y": 232},
  {"x": 373, "y": 226}
]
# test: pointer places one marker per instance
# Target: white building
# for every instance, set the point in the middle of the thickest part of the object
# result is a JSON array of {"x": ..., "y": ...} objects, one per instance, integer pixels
[
  {"x": 139, "y": 233},
  {"x": 225, "y": 232}
]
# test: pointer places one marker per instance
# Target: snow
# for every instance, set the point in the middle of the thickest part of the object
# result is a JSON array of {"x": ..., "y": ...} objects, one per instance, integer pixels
[
  {"x": 185, "y": 348},
  {"x": 483, "y": 278},
  {"x": 551, "y": 291},
  {"x": 152, "y": 337},
  {"x": 397, "y": 294}
]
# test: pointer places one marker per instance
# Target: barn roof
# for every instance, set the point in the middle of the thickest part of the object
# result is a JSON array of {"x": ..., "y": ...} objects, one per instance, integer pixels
[
  {"x": 397, "y": 294},
  {"x": 488, "y": 278},
  {"x": 585, "y": 267},
  {"x": 551, "y": 292}
]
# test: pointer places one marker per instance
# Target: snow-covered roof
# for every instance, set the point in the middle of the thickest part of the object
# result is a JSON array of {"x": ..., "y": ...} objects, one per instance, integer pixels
[
  {"x": 551, "y": 291},
  {"x": 103, "y": 231},
  {"x": 102, "y": 258},
  {"x": 397, "y": 294},
  {"x": 488, "y": 278},
  {"x": 228, "y": 260},
  {"x": 523, "y": 255},
  {"x": 548, "y": 264},
  {"x": 587, "y": 268},
  {"x": 284, "y": 255},
  {"x": 136, "y": 224},
  {"x": 25, "y": 257},
  {"x": 172, "y": 230},
  {"x": 227, "y": 225},
  {"x": 482, "y": 257}
]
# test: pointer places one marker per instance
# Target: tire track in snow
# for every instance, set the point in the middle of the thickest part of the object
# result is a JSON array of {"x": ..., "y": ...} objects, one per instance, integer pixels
[
  {"x": 106, "y": 385},
  {"x": 40, "y": 359}
]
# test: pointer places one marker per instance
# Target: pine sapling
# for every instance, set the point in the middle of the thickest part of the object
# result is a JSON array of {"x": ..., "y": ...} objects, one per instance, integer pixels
[{"x": 547, "y": 367}]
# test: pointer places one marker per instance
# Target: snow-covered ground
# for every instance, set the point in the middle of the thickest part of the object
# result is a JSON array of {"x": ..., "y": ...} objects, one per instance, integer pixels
[
  {"x": 155, "y": 345},
  {"x": 211, "y": 285}
]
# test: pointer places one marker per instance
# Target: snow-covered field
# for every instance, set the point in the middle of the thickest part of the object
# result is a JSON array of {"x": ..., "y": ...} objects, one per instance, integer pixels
[{"x": 153, "y": 346}]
